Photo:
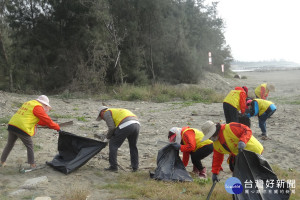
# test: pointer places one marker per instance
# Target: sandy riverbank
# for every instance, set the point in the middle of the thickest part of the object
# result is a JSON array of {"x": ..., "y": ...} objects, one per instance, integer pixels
[{"x": 156, "y": 119}]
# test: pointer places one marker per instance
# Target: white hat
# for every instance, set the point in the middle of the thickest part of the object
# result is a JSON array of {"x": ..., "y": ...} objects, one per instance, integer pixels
[
  {"x": 176, "y": 131},
  {"x": 44, "y": 100},
  {"x": 208, "y": 129},
  {"x": 100, "y": 109}
]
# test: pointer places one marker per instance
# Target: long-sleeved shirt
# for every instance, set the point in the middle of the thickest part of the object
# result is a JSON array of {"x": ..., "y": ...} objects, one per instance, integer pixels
[
  {"x": 254, "y": 109},
  {"x": 242, "y": 132},
  {"x": 243, "y": 97},
  {"x": 191, "y": 141},
  {"x": 45, "y": 120},
  {"x": 189, "y": 138},
  {"x": 263, "y": 93},
  {"x": 107, "y": 117},
  {"x": 257, "y": 109},
  {"x": 237, "y": 99}
]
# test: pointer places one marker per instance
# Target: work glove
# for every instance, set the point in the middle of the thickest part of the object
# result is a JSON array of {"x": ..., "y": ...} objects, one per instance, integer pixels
[
  {"x": 247, "y": 112},
  {"x": 244, "y": 114},
  {"x": 215, "y": 178},
  {"x": 176, "y": 145},
  {"x": 241, "y": 146}
]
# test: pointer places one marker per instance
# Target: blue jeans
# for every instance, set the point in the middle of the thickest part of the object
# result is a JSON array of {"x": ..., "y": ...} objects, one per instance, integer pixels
[{"x": 262, "y": 121}]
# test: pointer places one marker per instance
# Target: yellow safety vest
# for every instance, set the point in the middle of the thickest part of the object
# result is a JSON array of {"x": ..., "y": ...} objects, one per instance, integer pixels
[
  {"x": 258, "y": 89},
  {"x": 198, "y": 136},
  {"x": 24, "y": 119},
  {"x": 263, "y": 105},
  {"x": 119, "y": 114},
  {"x": 232, "y": 142},
  {"x": 233, "y": 98}
]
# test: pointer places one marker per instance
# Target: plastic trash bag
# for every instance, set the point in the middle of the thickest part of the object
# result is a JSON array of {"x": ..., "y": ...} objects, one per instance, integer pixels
[
  {"x": 169, "y": 166},
  {"x": 251, "y": 168},
  {"x": 74, "y": 152}
]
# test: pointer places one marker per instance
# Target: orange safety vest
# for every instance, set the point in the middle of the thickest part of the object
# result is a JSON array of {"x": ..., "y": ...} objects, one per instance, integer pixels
[
  {"x": 232, "y": 142},
  {"x": 198, "y": 136},
  {"x": 24, "y": 119},
  {"x": 119, "y": 114},
  {"x": 258, "y": 89},
  {"x": 263, "y": 105},
  {"x": 233, "y": 98}
]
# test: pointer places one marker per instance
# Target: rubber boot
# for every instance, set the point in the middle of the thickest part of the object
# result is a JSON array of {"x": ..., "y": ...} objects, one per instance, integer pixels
[{"x": 202, "y": 173}]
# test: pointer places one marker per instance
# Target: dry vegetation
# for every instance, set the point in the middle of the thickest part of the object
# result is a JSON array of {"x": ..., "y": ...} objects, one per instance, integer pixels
[{"x": 93, "y": 183}]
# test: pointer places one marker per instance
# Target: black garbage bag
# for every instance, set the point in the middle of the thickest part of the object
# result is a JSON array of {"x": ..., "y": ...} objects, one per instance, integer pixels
[
  {"x": 74, "y": 152},
  {"x": 243, "y": 119},
  {"x": 251, "y": 168},
  {"x": 169, "y": 166}
]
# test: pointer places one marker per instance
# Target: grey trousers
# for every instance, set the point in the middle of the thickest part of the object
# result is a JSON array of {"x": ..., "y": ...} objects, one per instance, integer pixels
[
  {"x": 11, "y": 140},
  {"x": 130, "y": 132}
]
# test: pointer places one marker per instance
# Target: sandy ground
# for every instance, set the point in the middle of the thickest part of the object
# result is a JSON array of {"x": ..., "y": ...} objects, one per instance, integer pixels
[{"x": 156, "y": 119}]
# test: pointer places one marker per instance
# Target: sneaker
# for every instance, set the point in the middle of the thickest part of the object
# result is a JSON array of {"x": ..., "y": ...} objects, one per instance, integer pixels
[
  {"x": 111, "y": 169},
  {"x": 195, "y": 170},
  {"x": 202, "y": 173},
  {"x": 33, "y": 166},
  {"x": 264, "y": 134},
  {"x": 2, "y": 164},
  {"x": 264, "y": 137}
]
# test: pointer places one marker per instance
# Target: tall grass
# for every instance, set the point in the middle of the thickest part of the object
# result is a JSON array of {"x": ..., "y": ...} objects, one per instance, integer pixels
[
  {"x": 76, "y": 192},
  {"x": 140, "y": 186},
  {"x": 163, "y": 93}
]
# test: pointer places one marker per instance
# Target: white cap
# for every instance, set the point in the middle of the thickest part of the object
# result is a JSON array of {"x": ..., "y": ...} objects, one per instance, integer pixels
[
  {"x": 44, "y": 100},
  {"x": 177, "y": 131},
  {"x": 208, "y": 129},
  {"x": 100, "y": 109}
]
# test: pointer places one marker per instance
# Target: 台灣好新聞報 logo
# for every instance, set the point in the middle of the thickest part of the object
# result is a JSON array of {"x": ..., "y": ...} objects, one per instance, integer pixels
[{"x": 233, "y": 185}]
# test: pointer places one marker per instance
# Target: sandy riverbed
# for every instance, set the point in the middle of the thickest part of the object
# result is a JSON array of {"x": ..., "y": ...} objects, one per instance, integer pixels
[{"x": 156, "y": 119}]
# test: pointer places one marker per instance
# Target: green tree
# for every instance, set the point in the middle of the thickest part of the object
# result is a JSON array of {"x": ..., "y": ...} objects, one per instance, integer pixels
[{"x": 87, "y": 44}]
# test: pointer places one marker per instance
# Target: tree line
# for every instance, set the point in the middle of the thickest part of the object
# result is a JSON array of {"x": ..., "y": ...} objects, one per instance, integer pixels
[{"x": 51, "y": 45}]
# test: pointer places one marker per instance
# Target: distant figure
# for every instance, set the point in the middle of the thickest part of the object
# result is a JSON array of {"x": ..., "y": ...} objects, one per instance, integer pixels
[
  {"x": 263, "y": 109},
  {"x": 262, "y": 91},
  {"x": 190, "y": 141},
  {"x": 23, "y": 125},
  {"x": 234, "y": 102},
  {"x": 121, "y": 124},
  {"x": 229, "y": 139}
]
